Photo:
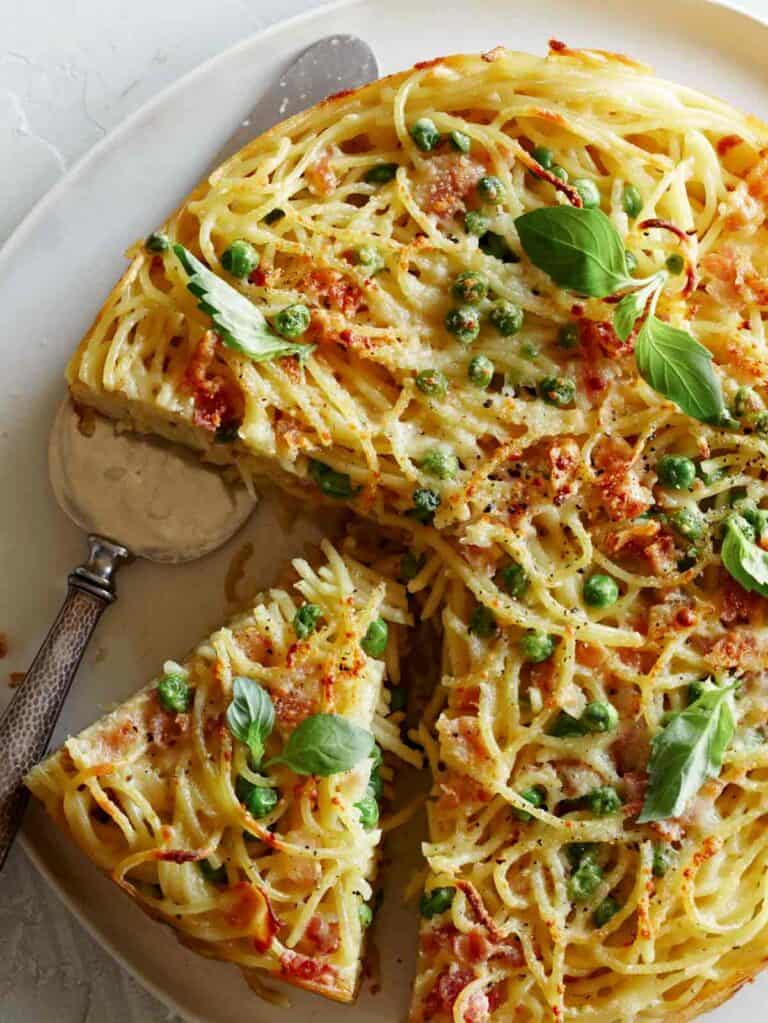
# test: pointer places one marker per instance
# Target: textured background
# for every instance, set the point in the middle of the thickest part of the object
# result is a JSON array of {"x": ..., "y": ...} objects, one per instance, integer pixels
[{"x": 70, "y": 70}]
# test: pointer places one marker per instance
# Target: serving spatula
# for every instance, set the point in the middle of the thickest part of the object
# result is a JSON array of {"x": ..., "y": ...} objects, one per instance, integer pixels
[{"x": 125, "y": 490}]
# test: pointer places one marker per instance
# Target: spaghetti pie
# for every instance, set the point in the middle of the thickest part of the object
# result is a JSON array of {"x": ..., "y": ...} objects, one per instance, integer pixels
[
  {"x": 516, "y": 307},
  {"x": 265, "y": 862}
]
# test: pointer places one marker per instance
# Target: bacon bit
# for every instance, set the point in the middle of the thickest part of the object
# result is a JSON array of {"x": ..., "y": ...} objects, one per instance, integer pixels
[
  {"x": 600, "y": 336},
  {"x": 635, "y": 784},
  {"x": 213, "y": 724},
  {"x": 564, "y": 457},
  {"x": 739, "y": 606},
  {"x": 624, "y": 496},
  {"x": 448, "y": 986},
  {"x": 178, "y": 855},
  {"x": 634, "y": 539},
  {"x": 464, "y": 738},
  {"x": 738, "y": 649},
  {"x": 253, "y": 643},
  {"x": 236, "y": 571},
  {"x": 674, "y": 610},
  {"x": 727, "y": 142},
  {"x": 741, "y": 210},
  {"x": 321, "y": 178},
  {"x": 265, "y": 276},
  {"x": 477, "y": 1009},
  {"x": 217, "y": 399},
  {"x": 555, "y": 46},
  {"x": 449, "y": 181},
  {"x": 467, "y": 699},
  {"x": 543, "y": 675},
  {"x": 661, "y": 555},
  {"x": 460, "y": 790},
  {"x": 733, "y": 279},
  {"x": 631, "y": 750},
  {"x": 247, "y": 907},
  {"x": 324, "y": 934},
  {"x": 757, "y": 178},
  {"x": 665, "y": 225},
  {"x": 291, "y": 707},
  {"x": 497, "y": 995},
  {"x": 3, "y": 645},
  {"x": 422, "y": 65},
  {"x": 334, "y": 290},
  {"x": 308, "y": 970},
  {"x": 497, "y": 53},
  {"x": 669, "y": 830},
  {"x": 482, "y": 559},
  {"x": 338, "y": 95},
  {"x": 477, "y": 906}
]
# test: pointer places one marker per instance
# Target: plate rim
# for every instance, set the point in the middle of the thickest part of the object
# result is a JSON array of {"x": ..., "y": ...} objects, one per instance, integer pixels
[{"x": 17, "y": 238}]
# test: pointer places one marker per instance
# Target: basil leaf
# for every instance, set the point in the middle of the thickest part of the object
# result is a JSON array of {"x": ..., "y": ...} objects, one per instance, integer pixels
[
  {"x": 743, "y": 558},
  {"x": 240, "y": 324},
  {"x": 325, "y": 744},
  {"x": 687, "y": 752},
  {"x": 632, "y": 306},
  {"x": 680, "y": 368},
  {"x": 250, "y": 716},
  {"x": 580, "y": 249}
]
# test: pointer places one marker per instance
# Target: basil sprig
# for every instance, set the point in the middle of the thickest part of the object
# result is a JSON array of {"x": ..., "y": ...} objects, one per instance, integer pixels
[
  {"x": 687, "y": 752},
  {"x": 742, "y": 557},
  {"x": 239, "y": 323},
  {"x": 582, "y": 251},
  {"x": 251, "y": 716},
  {"x": 325, "y": 744}
]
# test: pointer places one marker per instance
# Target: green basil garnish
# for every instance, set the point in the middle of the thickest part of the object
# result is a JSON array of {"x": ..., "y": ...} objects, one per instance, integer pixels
[
  {"x": 580, "y": 249},
  {"x": 325, "y": 744},
  {"x": 632, "y": 306},
  {"x": 743, "y": 558},
  {"x": 679, "y": 368},
  {"x": 688, "y": 751},
  {"x": 251, "y": 716},
  {"x": 239, "y": 323}
]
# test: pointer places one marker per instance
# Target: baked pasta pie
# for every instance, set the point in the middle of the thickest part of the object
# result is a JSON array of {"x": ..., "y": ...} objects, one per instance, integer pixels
[
  {"x": 516, "y": 307},
  {"x": 237, "y": 797}
]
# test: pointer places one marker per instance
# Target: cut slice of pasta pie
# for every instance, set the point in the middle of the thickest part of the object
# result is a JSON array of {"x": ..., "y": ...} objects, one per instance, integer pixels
[
  {"x": 236, "y": 798},
  {"x": 598, "y": 842}
]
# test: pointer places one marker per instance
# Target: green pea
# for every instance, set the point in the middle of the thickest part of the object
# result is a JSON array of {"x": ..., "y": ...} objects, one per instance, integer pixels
[
  {"x": 464, "y": 323},
  {"x": 411, "y": 564},
  {"x": 443, "y": 465},
  {"x": 600, "y": 716},
  {"x": 157, "y": 242},
  {"x": 306, "y": 619},
  {"x": 432, "y": 382},
  {"x": 480, "y": 372},
  {"x": 584, "y": 880},
  {"x": 273, "y": 216},
  {"x": 600, "y": 590},
  {"x": 476, "y": 222},
  {"x": 560, "y": 172},
  {"x": 663, "y": 859},
  {"x": 578, "y": 851},
  {"x": 566, "y": 726},
  {"x": 240, "y": 258},
  {"x": 746, "y": 403},
  {"x": 535, "y": 796},
  {"x": 760, "y": 424},
  {"x": 380, "y": 173},
  {"x": 259, "y": 800},
  {"x": 490, "y": 188},
  {"x": 374, "y": 642},
  {"x": 425, "y": 134},
  {"x": 604, "y": 801},
  {"x": 513, "y": 580},
  {"x": 632, "y": 201},
  {"x": 397, "y": 699},
  {"x": 675, "y": 263},
  {"x": 436, "y": 901},
  {"x": 607, "y": 909},
  {"x": 368, "y": 809},
  {"x": 365, "y": 915},
  {"x": 470, "y": 287},
  {"x": 587, "y": 189},
  {"x": 292, "y": 321},
  {"x": 507, "y": 318},
  {"x": 460, "y": 141},
  {"x": 537, "y": 646},
  {"x": 496, "y": 245},
  {"x": 482, "y": 622},
  {"x": 425, "y": 504},
  {"x": 631, "y": 260},
  {"x": 544, "y": 157},
  {"x": 216, "y": 875},
  {"x": 329, "y": 481},
  {"x": 559, "y": 391},
  {"x": 174, "y": 694},
  {"x": 370, "y": 259},
  {"x": 689, "y": 522},
  {"x": 676, "y": 471},
  {"x": 569, "y": 336}
]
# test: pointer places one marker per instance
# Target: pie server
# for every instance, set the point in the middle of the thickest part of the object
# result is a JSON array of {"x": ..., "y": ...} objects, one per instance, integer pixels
[{"x": 123, "y": 490}]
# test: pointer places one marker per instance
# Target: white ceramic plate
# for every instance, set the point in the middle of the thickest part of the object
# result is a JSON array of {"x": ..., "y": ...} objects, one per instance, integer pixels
[{"x": 54, "y": 273}]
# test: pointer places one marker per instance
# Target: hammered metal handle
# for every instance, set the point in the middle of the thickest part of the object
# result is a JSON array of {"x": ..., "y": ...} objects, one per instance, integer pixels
[{"x": 27, "y": 724}]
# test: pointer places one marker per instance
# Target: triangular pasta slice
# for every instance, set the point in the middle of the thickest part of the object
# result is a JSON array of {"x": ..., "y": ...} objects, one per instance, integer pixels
[{"x": 247, "y": 858}]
